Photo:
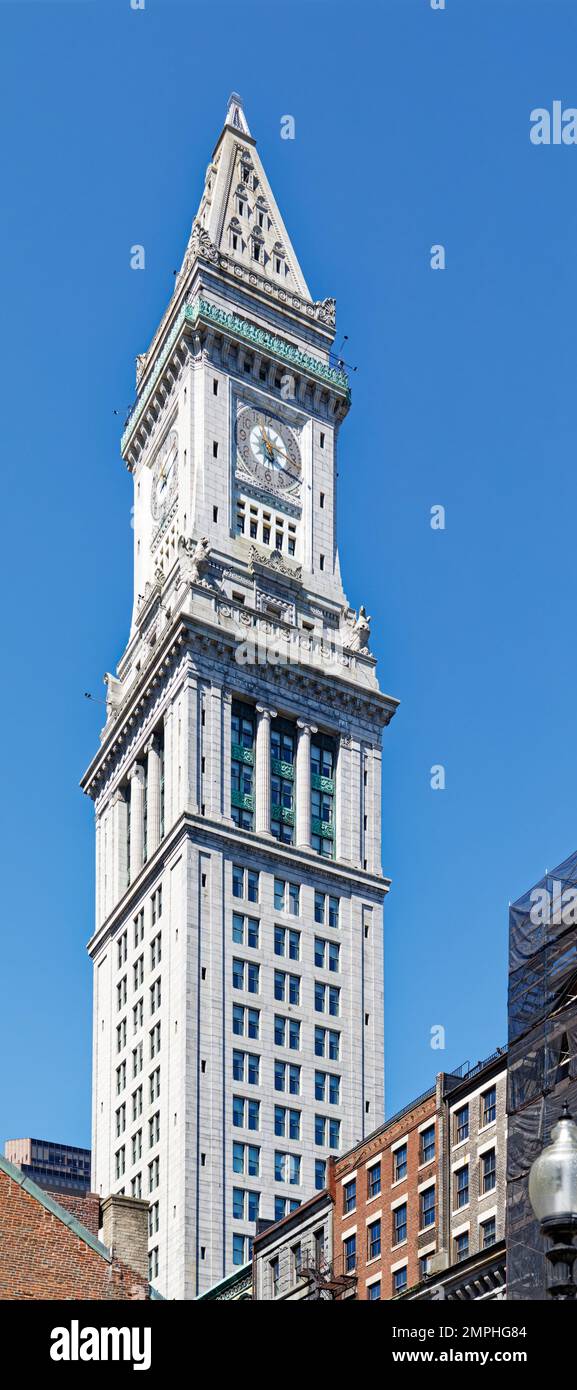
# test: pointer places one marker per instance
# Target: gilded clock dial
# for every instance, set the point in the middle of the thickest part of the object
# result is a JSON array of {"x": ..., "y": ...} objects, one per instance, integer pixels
[
  {"x": 268, "y": 449},
  {"x": 164, "y": 476}
]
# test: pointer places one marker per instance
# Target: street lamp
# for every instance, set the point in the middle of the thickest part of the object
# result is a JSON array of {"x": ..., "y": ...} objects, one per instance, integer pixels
[{"x": 553, "y": 1197}]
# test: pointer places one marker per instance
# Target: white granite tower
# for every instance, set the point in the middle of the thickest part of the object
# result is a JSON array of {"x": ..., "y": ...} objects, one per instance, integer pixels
[{"x": 238, "y": 946}]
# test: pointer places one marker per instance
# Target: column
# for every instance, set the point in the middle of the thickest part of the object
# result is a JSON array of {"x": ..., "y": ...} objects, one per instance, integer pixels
[
  {"x": 119, "y": 835},
  {"x": 136, "y": 779},
  {"x": 168, "y": 812},
  {"x": 262, "y": 770},
  {"x": 303, "y": 784},
  {"x": 153, "y": 810}
]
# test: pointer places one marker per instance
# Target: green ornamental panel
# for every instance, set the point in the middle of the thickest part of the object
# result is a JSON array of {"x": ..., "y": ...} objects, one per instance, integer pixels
[
  {"x": 322, "y": 784},
  {"x": 242, "y": 755},
  {"x": 281, "y": 769},
  {"x": 323, "y": 828},
  {"x": 282, "y": 813},
  {"x": 245, "y": 802}
]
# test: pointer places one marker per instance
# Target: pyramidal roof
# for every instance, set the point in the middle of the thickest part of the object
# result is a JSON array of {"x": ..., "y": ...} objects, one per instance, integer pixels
[{"x": 238, "y": 211}]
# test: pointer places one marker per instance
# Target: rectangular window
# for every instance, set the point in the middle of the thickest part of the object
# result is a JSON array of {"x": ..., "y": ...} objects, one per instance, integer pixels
[
  {"x": 286, "y": 897},
  {"x": 287, "y": 987},
  {"x": 489, "y": 1106},
  {"x": 245, "y": 1021},
  {"x": 488, "y": 1171},
  {"x": 153, "y": 1174},
  {"x": 374, "y": 1291},
  {"x": 241, "y": 1249},
  {"x": 427, "y": 1204},
  {"x": 245, "y": 930},
  {"x": 156, "y": 904},
  {"x": 373, "y": 1240},
  {"x": 245, "y": 1113},
  {"x": 287, "y": 1077},
  {"x": 246, "y": 975},
  {"x": 461, "y": 1124},
  {"x": 282, "y": 748},
  {"x": 400, "y": 1163},
  {"x": 400, "y": 1280},
  {"x": 155, "y": 951},
  {"x": 246, "y": 1159},
  {"x": 122, "y": 948},
  {"x": 428, "y": 1144},
  {"x": 350, "y": 1254},
  {"x": 400, "y": 1224},
  {"x": 287, "y": 942},
  {"x": 374, "y": 1180},
  {"x": 350, "y": 1195},
  {"x": 139, "y": 927},
  {"x": 461, "y": 1248},
  {"x": 488, "y": 1232},
  {"x": 155, "y": 1084},
  {"x": 242, "y": 769},
  {"x": 245, "y": 883},
  {"x": 462, "y": 1186},
  {"x": 320, "y": 1174},
  {"x": 323, "y": 761},
  {"x": 246, "y": 1067}
]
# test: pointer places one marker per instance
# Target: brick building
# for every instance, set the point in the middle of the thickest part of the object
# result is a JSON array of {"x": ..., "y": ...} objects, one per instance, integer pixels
[
  {"x": 47, "y": 1252},
  {"x": 386, "y": 1202},
  {"x": 475, "y": 1171},
  {"x": 417, "y": 1210}
]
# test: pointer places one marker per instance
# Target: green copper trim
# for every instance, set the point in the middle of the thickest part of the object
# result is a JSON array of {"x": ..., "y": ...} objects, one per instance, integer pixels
[
  {"x": 281, "y": 769},
  {"x": 240, "y": 328},
  {"x": 242, "y": 755},
  {"x": 243, "y": 800},
  {"x": 323, "y": 828},
  {"x": 282, "y": 813},
  {"x": 322, "y": 784}
]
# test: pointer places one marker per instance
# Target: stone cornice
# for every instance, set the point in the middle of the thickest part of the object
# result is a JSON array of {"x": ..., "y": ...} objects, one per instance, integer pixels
[
  {"x": 234, "y": 326},
  {"x": 335, "y": 872},
  {"x": 189, "y": 637},
  {"x": 319, "y": 312}
]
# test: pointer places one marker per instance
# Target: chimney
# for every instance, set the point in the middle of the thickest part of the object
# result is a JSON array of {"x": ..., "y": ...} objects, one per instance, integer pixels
[{"x": 125, "y": 1231}]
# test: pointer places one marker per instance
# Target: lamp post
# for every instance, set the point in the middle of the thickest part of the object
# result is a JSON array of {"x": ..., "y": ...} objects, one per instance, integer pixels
[{"x": 553, "y": 1197}]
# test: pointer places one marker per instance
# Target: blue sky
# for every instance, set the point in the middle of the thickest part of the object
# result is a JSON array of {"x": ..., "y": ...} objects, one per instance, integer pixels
[{"x": 412, "y": 128}]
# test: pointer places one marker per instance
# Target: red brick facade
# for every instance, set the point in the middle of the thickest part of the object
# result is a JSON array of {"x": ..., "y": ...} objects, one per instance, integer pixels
[
  {"x": 43, "y": 1258},
  {"x": 85, "y": 1209},
  {"x": 367, "y": 1174}
]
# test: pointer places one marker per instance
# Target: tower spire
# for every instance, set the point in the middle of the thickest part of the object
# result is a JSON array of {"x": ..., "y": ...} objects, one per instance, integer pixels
[{"x": 235, "y": 116}]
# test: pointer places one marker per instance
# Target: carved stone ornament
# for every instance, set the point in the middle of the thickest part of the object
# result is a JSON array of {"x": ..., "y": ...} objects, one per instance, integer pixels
[
  {"x": 357, "y": 631},
  {"x": 194, "y": 560},
  {"x": 274, "y": 561},
  {"x": 326, "y": 311}
]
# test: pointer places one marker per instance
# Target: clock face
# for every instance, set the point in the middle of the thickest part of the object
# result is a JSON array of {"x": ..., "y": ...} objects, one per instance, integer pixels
[
  {"x": 164, "y": 476},
  {"x": 268, "y": 449}
]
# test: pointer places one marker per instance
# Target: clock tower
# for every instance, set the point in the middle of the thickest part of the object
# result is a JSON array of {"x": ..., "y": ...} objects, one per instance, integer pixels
[{"x": 238, "y": 943}]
